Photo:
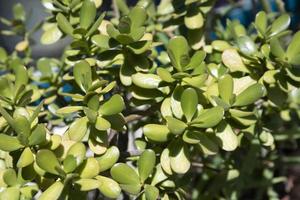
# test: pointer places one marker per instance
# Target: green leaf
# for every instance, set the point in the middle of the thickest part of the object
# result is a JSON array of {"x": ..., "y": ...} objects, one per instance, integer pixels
[
  {"x": 220, "y": 45},
  {"x": 196, "y": 60},
  {"x": 108, "y": 187},
  {"x": 36, "y": 112},
  {"x": 86, "y": 184},
  {"x": 194, "y": 18},
  {"x": 229, "y": 140},
  {"x": 83, "y": 74},
  {"x": 96, "y": 25},
  {"x": 11, "y": 193},
  {"x": 9, "y": 177},
  {"x": 243, "y": 117},
  {"x": 175, "y": 102},
  {"x": 151, "y": 192},
  {"x": 276, "y": 48},
  {"x": 189, "y": 102},
  {"x": 68, "y": 110},
  {"x": 157, "y": 132},
  {"x": 246, "y": 45},
  {"x": 250, "y": 95},
  {"x": 136, "y": 35},
  {"x": 102, "y": 124},
  {"x": 64, "y": 24},
  {"x": 22, "y": 127},
  {"x": 26, "y": 158},
  {"x": 179, "y": 157},
  {"x": 3, "y": 55},
  {"x": 208, "y": 117},
  {"x": 87, "y": 14},
  {"x": 196, "y": 81},
  {"x": 6, "y": 89},
  {"x": 131, "y": 189},
  {"x": 261, "y": 21},
  {"x": 293, "y": 50},
  {"x": 225, "y": 86},
  {"x": 78, "y": 151},
  {"x": 138, "y": 16},
  {"x": 113, "y": 106},
  {"x": 7, "y": 117},
  {"x": 124, "y": 174},
  {"x": 116, "y": 121},
  {"x": 53, "y": 192},
  {"x": 175, "y": 126},
  {"x": 122, "y": 6},
  {"x": 147, "y": 81},
  {"x": 179, "y": 56},
  {"x": 146, "y": 164},
  {"x": 69, "y": 164},
  {"x": 102, "y": 41},
  {"x": 191, "y": 137},
  {"x": 19, "y": 12},
  {"x": 140, "y": 47},
  {"x": 51, "y": 34},
  {"x": 207, "y": 144},
  {"x": 78, "y": 129},
  {"x": 38, "y": 135},
  {"x": 165, "y": 75},
  {"x": 266, "y": 138},
  {"x": 110, "y": 157},
  {"x": 9, "y": 143},
  {"x": 89, "y": 168},
  {"x": 47, "y": 161},
  {"x": 232, "y": 60},
  {"x": 280, "y": 24},
  {"x": 21, "y": 76},
  {"x": 165, "y": 161}
]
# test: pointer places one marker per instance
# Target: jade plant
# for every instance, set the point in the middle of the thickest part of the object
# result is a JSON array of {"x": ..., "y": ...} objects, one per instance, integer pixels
[{"x": 144, "y": 103}]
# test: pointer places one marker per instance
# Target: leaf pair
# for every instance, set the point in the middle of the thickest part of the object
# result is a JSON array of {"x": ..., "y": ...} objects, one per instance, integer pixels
[
  {"x": 129, "y": 180},
  {"x": 180, "y": 57}
]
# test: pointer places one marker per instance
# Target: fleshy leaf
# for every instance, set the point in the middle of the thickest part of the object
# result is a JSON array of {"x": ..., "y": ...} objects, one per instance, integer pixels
[
  {"x": 64, "y": 24},
  {"x": 26, "y": 158},
  {"x": 124, "y": 174},
  {"x": 89, "y": 168},
  {"x": 233, "y": 61},
  {"x": 208, "y": 117},
  {"x": 179, "y": 154},
  {"x": 293, "y": 50},
  {"x": 179, "y": 56},
  {"x": 250, "y": 95},
  {"x": 189, "y": 102},
  {"x": 83, "y": 74},
  {"x": 146, "y": 164},
  {"x": 108, "y": 187},
  {"x": 87, "y": 13},
  {"x": 52, "y": 192},
  {"x": 47, "y": 160},
  {"x": 280, "y": 24},
  {"x": 175, "y": 126},
  {"x": 157, "y": 132},
  {"x": 9, "y": 143},
  {"x": 225, "y": 86},
  {"x": 110, "y": 157},
  {"x": 78, "y": 129},
  {"x": 229, "y": 140},
  {"x": 147, "y": 81},
  {"x": 113, "y": 106}
]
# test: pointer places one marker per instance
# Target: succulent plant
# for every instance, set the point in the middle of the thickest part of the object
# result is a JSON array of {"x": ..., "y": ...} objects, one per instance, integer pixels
[{"x": 144, "y": 104}]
